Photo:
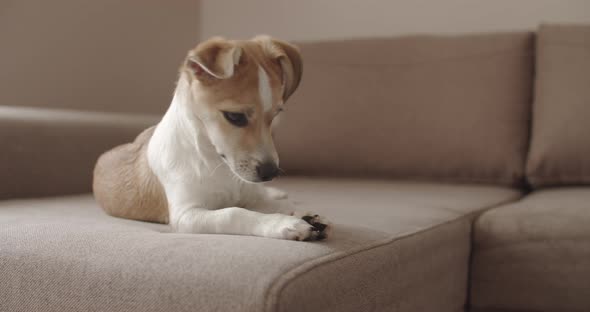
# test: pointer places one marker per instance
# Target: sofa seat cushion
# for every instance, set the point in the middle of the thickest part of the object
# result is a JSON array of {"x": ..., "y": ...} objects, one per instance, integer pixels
[
  {"x": 534, "y": 255},
  {"x": 393, "y": 245}
]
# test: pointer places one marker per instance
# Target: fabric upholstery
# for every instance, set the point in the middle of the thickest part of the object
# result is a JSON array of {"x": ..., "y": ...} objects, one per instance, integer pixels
[
  {"x": 421, "y": 107},
  {"x": 560, "y": 144},
  {"x": 394, "y": 245},
  {"x": 49, "y": 152},
  {"x": 534, "y": 255}
]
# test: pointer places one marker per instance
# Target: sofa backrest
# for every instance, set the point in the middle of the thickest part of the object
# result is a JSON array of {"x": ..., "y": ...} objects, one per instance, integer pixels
[
  {"x": 560, "y": 144},
  {"x": 46, "y": 152},
  {"x": 439, "y": 108},
  {"x": 449, "y": 108}
]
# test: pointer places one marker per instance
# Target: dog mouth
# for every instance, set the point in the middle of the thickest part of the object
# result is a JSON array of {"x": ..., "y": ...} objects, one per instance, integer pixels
[
  {"x": 244, "y": 177},
  {"x": 252, "y": 171},
  {"x": 239, "y": 170}
]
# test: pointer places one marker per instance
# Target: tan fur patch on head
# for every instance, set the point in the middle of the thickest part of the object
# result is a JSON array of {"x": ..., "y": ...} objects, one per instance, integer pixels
[{"x": 255, "y": 86}]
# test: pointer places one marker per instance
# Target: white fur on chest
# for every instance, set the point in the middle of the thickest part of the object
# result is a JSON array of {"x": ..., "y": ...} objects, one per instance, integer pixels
[{"x": 188, "y": 167}]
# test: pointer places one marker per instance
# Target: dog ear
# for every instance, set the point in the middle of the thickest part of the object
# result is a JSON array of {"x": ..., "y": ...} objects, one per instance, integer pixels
[
  {"x": 289, "y": 59},
  {"x": 215, "y": 58}
]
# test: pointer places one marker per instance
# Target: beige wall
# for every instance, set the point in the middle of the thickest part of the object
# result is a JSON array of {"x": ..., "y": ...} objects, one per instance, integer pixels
[
  {"x": 99, "y": 55},
  {"x": 122, "y": 55},
  {"x": 325, "y": 19}
]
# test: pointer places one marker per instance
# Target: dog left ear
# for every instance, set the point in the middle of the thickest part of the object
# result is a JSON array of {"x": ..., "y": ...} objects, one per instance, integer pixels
[
  {"x": 215, "y": 58},
  {"x": 289, "y": 59}
]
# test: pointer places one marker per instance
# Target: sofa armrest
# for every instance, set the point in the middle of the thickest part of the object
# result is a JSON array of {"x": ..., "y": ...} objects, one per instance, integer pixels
[{"x": 45, "y": 152}]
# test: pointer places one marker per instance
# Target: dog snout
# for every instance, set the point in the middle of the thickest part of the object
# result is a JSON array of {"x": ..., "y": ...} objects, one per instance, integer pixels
[{"x": 267, "y": 171}]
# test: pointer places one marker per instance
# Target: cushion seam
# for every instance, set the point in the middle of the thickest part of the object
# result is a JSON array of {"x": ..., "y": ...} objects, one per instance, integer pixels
[
  {"x": 527, "y": 51},
  {"x": 498, "y": 309},
  {"x": 275, "y": 289},
  {"x": 565, "y": 44},
  {"x": 495, "y": 180},
  {"x": 548, "y": 180}
]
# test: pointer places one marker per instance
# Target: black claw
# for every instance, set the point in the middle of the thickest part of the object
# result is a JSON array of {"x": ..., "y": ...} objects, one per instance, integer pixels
[
  {"x": 308, "y": 219},
  {"x": 319, "y": 226}
]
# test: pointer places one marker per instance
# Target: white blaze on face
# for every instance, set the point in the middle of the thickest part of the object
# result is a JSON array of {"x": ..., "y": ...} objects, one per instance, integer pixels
[{"x": 264, "y": 89}]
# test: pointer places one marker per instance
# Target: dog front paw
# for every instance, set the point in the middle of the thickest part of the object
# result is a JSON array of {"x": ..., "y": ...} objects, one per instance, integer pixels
[
  {"x": 299, "y": 231},
  {"x": 321, "y": 227},
  {"x": 288, "y": 227}
]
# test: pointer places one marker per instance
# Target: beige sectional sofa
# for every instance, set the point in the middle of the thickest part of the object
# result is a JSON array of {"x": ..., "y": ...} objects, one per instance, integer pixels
[{"x": 455, "y": 169}]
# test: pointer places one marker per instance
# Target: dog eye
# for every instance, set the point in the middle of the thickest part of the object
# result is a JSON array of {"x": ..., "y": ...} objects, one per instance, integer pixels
[{"x": 236, "y": 119}]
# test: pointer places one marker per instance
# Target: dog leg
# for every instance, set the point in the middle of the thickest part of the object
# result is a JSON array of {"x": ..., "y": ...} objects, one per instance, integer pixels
[
  {"x": 321, "y": 226},
  {"x": 240, "y": 221}
]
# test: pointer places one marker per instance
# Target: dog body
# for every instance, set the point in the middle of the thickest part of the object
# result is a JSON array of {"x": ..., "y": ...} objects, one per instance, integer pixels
[{"x": 199, "y": 168}]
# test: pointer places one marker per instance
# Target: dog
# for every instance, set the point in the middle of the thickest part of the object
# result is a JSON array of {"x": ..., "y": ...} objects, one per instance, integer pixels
[{"x": 202, "y": 167}]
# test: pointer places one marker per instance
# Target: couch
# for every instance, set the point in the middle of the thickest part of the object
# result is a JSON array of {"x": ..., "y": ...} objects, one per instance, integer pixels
[{"x": 455, "y": 170}]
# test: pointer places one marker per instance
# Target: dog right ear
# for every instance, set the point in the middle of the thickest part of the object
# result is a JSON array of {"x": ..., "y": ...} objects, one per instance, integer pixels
[{"x": 214, "y": 58}]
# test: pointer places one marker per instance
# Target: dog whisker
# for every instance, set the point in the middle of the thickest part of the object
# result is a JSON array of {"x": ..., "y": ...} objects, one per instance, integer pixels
[
  {"x": 214, "y": 169},
  {"x": 236, "y": 178}
]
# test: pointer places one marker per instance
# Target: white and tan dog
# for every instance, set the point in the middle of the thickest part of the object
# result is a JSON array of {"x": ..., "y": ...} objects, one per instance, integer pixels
[{"x": 198, "y": 168}]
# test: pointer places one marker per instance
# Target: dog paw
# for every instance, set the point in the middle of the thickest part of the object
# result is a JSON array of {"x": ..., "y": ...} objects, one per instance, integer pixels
[
  {"x": 299, "y": 231},
  {"x": 321, "y": 227},
  {"x": 284, "y": 227},
  {"x": 275, "y": 193}
]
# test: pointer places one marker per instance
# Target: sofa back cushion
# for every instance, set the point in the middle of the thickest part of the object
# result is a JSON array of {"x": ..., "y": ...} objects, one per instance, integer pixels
[
  {"x": 560, "y": 146},
  {"x": 424, "y": 107},
  {"x": 47, "y": 152}
]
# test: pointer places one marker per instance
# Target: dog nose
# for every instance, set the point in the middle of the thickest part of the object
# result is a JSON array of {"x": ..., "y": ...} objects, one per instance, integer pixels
[{"x": 267, "y": 171}]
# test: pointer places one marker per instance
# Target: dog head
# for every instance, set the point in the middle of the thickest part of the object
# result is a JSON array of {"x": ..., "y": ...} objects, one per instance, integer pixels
[{"x": 239, "y": 89}]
